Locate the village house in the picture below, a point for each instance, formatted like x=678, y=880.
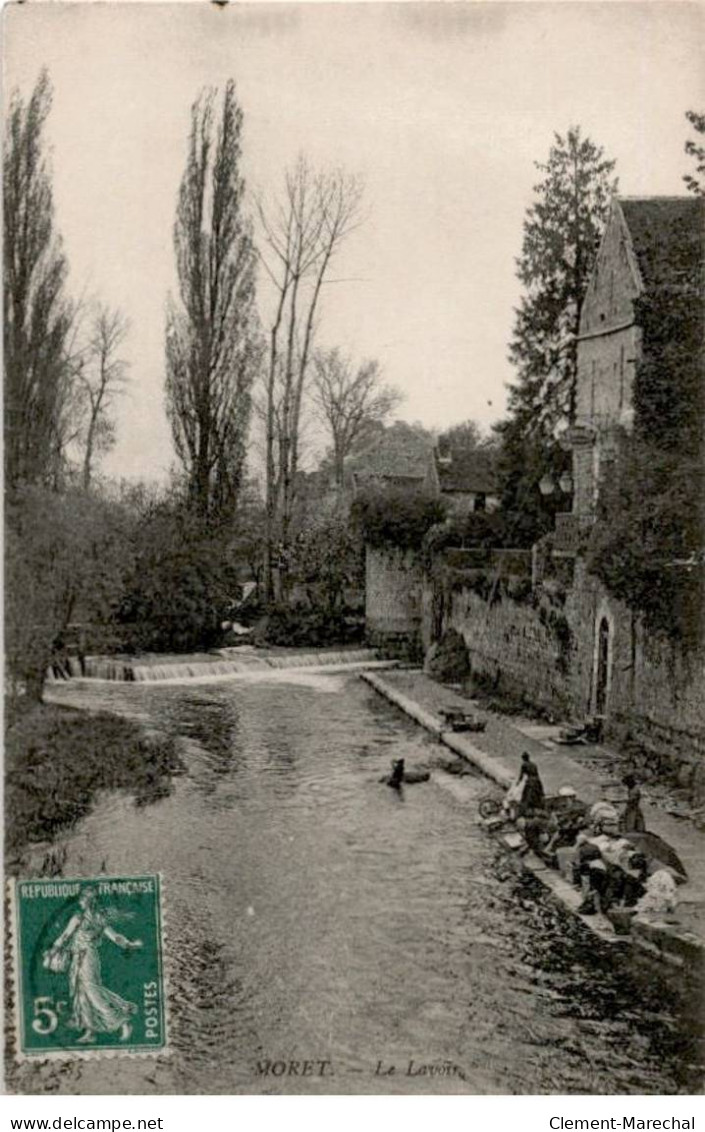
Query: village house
x=647, y=247
x=403, y=459
x=398, y=458
x=650, y=247
x=465, y=477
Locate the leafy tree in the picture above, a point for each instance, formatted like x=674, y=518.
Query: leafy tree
x=179, y=581
x=647, y=543
x=246, y=544
x=326, y=558
x=64, y=560
x=212, y=341
x=465, y=436
x=348, y=401
x=523, y=459
x=562, y=230
x=38, y=315
x=696, y=149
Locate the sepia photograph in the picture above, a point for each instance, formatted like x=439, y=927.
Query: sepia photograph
x=354, y=548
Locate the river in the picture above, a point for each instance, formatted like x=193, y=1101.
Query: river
x=312, y=913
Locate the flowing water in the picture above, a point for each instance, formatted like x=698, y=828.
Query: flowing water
x=313, y=913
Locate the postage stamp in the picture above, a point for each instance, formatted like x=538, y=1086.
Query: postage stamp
x=89, y=977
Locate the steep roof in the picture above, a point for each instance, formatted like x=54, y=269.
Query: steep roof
x=668, y=238
x=469, y=470
x=399, y=455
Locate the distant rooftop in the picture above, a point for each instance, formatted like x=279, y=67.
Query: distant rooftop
x=465, y=470
x=399, y=455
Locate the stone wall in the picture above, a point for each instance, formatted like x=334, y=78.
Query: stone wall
x=546, y=650
x=510, y=645
x=656, y=691
x=393, y=584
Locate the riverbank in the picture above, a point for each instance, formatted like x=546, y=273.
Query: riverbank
x=58, y=759
x=497, y=753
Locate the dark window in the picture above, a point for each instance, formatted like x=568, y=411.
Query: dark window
x=480, y=503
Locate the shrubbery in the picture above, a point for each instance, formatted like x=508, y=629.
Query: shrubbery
x=303, y=626
x=396, y=517
x=56, y=760
x=64, y=558
x=178, y=582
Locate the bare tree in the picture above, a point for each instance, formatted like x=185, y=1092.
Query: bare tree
x=38, y=315
x=349, y=400
x=101, y=373
x=213, y=348
x=303, y=232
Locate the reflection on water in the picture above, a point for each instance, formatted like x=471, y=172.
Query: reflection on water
x=314, y=914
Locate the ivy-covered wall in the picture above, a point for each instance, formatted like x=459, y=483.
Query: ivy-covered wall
x=542, y=645
x=521, y=644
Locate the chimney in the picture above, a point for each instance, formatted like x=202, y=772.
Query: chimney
x=445, y=456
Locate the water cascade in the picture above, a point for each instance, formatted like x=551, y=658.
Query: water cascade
x=231, y=662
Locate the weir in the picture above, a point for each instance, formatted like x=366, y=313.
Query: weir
x=123, y=669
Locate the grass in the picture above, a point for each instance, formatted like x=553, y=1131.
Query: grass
x=57, y=759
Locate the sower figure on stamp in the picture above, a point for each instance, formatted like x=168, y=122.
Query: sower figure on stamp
x=94, y=1008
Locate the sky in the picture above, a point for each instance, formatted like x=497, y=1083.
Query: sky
x=441, y=108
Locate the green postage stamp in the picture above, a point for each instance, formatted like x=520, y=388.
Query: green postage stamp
x=88, y=967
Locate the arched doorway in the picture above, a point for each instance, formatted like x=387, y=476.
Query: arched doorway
x=602, y=675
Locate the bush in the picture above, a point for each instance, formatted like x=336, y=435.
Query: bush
x=300, y=626
x=396, y=517
x=58, y=759
x=326, y=559
x=178, y=585
x=649, y=529
x=64, y=558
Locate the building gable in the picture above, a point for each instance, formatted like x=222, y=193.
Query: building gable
x=615, y=281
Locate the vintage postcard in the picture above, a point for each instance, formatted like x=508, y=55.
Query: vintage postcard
x=354, y=551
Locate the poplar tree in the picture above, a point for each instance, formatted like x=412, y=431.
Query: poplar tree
x=212, y=339
x=38, y=316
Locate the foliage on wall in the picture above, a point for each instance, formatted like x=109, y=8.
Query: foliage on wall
x=647, y=545
x=395, y=517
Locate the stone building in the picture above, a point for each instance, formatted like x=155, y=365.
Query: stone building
x=571, y=646
x=650, y=247
x=404, y=460
x=646, y=248
x=464, y=477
